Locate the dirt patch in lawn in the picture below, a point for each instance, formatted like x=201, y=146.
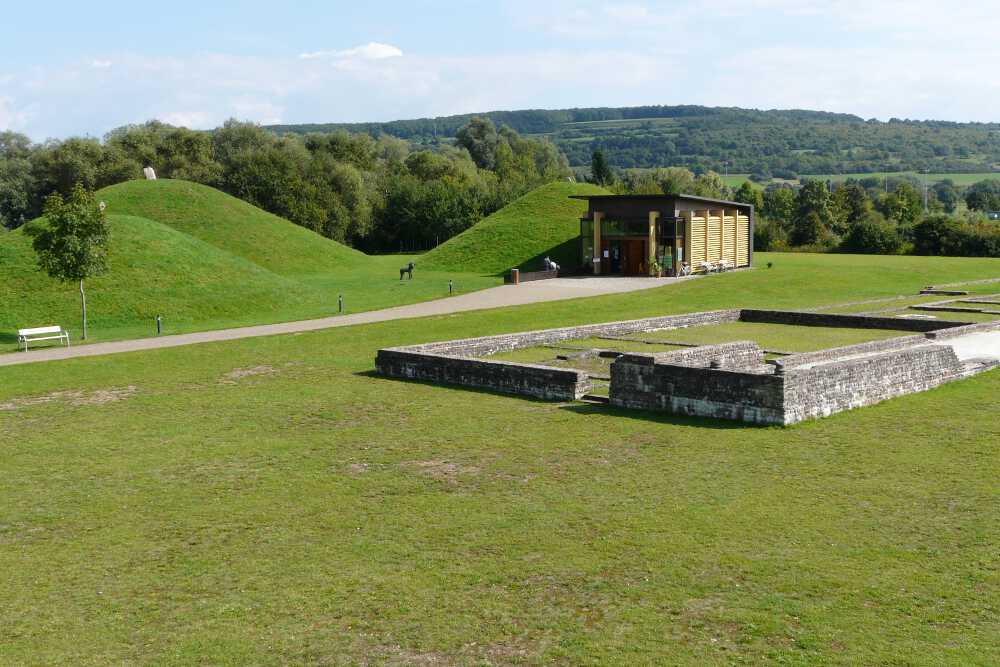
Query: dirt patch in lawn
x=512, y=652
x=443, y=471
x=72, y=397
x=237, y=374
x=355, y=469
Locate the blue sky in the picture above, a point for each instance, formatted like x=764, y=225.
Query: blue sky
x=85, y=68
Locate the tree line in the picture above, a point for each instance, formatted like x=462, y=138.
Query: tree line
x=780, y=143
x=378, y=194
x=878, y=215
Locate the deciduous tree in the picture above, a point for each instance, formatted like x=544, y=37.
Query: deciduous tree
x=73, y=244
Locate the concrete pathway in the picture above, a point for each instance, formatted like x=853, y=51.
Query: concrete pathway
x=984, y=345
x=557, y=289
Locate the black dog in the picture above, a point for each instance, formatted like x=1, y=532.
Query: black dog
x=406, y=270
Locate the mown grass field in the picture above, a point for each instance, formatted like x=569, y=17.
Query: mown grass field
x=204, y=260
x=271, y=501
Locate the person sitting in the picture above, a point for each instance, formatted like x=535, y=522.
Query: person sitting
x=550, y=265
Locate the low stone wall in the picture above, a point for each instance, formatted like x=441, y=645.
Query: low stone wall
x=558, y=384
x=804, y=319
x=835, y=353
x=642, y=381
x=964, y=330
x=738, y=354
x=486, y=345
x=756, y=394
x=822, y=390
x=460, y=362
x=729, y=381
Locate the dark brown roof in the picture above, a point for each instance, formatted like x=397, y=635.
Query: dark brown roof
x=707, y=200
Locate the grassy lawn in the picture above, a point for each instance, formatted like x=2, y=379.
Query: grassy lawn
x=125, y=304
x=270, y=501
x=783, y=337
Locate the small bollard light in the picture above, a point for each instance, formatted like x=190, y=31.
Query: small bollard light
x=451, y=287
x=159, y=325
x=340, y=303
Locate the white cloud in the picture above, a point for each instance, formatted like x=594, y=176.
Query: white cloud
x=101, y=64
x=751, y=53
x=12, y=118
x=369, y=51
x=261, y=111
x=189, y=119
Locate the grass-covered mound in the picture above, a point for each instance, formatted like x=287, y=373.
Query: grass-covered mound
x=204, y=260
x=232, y=225
x=153, y=269
x=543, y=222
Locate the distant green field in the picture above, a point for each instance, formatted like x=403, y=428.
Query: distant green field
x=205, y=260
x=621, y=123
x=543, y=222
x=961, y=180
x=271, y=501
x=736, y=180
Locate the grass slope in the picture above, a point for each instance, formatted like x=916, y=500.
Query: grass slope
x=154, y=270
x=231, y=225
x=543, y=222
x=269, y=501
x=205, y=260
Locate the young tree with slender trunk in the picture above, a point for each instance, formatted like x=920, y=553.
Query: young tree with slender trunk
x=600, y=170
x=73, y=245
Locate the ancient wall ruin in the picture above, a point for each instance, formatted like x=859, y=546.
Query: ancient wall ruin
x=729, y=381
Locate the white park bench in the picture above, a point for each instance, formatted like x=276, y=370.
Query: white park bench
x=25, y=336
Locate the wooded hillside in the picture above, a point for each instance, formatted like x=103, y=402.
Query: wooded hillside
x=776, y=142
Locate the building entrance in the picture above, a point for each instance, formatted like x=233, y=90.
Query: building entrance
x=636, y=257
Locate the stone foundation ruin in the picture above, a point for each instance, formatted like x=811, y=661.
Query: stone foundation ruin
x=729, y=380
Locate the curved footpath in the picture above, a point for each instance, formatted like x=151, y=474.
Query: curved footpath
x=495, y=297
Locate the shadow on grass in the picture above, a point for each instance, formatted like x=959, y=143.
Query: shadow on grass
x=566, y=255
x=585, y=409
x=6, y=337
x=373, y=374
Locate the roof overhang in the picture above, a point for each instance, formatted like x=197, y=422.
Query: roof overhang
x=652, y=198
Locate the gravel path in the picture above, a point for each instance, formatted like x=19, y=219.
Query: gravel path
x=494, y=297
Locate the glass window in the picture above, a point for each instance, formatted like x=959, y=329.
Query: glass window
x=612, y=228
x=586, y=241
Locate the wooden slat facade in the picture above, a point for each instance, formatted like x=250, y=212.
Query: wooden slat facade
x=696, y=241
x=713, y=237
x=729, y=238
x=743, y=240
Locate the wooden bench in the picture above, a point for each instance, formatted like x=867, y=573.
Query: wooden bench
x=25, y=336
